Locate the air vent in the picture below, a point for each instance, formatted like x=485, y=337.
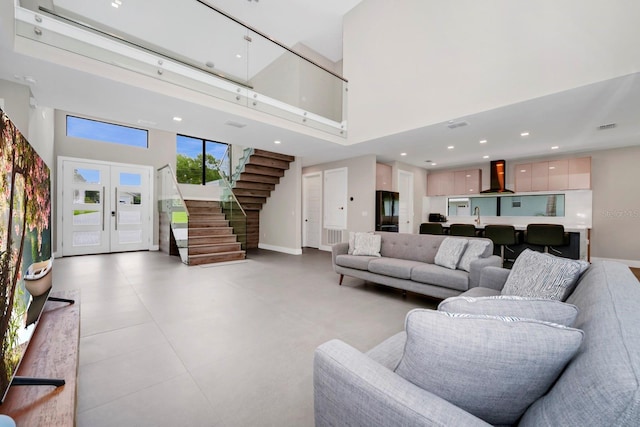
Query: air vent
x=607, y=126
x=453, y=125
x=235, y=124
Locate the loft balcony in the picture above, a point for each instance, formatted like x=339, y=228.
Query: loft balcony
x=193, y=45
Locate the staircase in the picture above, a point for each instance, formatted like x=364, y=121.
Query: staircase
x=211, y=239
x=261, y=173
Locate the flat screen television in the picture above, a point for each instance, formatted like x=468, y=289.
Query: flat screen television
x=25, y=246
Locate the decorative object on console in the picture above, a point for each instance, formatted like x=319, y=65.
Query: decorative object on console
x=542, y=275
x=506, y=305
x=495, y=366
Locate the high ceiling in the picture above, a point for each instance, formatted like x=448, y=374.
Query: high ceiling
x=570, y=119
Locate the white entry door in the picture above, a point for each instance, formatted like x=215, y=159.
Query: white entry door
x=335, y=199
x=311, y=209
x=105, y=207
x=405, y=207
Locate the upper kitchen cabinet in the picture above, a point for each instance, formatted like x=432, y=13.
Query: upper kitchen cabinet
x=467, y=182
x=554, y=175
x=440, y=183
x=383, y=177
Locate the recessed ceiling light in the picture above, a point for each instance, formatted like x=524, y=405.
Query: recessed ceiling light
x=483, y=141
x=277, y=142
x=177, y=119
x=524, y=134
x=451, y=147
x=485, y=157
x=555, y=147
x=238, y=56
x=403, y=154
x=434, y=164
x=116, y=3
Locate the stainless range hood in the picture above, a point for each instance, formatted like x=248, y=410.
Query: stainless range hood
x=498, y=178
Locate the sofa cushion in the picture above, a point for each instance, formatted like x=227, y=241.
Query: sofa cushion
x=479, y=291
x=493, y=367
x=450, y=251
x=436, y=275
x=353, y=261
x=398, y=268
x=389, y=352
x=367, y=244
x=541, y=275
x=475, y=249
x=504, y=305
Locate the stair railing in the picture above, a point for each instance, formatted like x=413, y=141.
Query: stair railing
x=174, y=215
x=248, y=152
x=232, y=209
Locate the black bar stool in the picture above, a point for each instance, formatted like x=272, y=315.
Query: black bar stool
x=431, y=228
x=502, y=236
x=547, y=235
x=468, y=230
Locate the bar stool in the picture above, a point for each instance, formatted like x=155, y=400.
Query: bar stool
x=547, y=235
x=468, y=230
x=431, y=228
x=502, y=236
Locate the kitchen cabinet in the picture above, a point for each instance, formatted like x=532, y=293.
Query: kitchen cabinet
x=383, y=177
x=554, y=175
x=440, y=183
x=580, y=173
x=467, y=181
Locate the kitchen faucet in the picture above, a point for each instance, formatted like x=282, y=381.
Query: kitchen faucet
x=476, y=211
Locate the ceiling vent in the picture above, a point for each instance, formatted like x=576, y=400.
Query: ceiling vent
x=607, y=126
x=453, y=125
x=235, y=124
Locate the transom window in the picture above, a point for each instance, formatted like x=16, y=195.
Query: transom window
x=79, y=127
x=198, y=161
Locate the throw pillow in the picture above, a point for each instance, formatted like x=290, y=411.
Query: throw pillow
x=492, y=367
x=506, y=305
x=450, y=251
x=367, y=244
x=352, y=240
x=541, y=275
x=475, y=249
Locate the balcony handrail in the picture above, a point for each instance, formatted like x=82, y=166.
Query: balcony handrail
x=141, y=47
x=175, y=183
x=274, y=41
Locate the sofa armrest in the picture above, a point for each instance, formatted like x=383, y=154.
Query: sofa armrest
x=494, y=277
x=352, y=389
x=478, y=265
x=338, y=249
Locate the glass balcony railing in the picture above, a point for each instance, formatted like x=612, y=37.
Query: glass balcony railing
x=174, y=216
x=213, y=53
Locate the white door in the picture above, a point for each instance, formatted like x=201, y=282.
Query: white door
x=311, y=209
x=105, y=207
x=335, y=199
x=405, y=210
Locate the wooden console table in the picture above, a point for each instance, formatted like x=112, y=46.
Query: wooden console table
x=52, y=353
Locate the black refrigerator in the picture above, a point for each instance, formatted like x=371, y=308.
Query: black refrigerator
x=387, y=205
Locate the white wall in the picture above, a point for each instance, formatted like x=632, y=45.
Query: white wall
x=412, y=63
x=16, y=104
x=361, y=187
x=281, y=216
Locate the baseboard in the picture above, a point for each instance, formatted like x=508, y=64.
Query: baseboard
x=629, y=262
x=289, y=251
x=154, y=248
x=325, y=248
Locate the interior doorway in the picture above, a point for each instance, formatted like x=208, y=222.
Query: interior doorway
x=106, y=207
x=405, y=211
x=311, y=210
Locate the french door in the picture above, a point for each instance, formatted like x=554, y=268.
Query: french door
x=106, y=207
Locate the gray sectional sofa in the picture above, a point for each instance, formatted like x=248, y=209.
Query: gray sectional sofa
x=600, y=385
x=407, y=262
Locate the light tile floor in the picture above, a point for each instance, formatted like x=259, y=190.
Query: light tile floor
x=164, y=344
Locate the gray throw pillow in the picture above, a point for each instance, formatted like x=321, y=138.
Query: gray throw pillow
x=492, y=367
x=473, y=251
x=541, y=275
x=367, y=244
x=506, y=305
x=450, y=251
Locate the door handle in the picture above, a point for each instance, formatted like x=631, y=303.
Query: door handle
x=115, y=212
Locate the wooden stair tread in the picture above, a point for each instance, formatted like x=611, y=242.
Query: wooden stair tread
x=271, y=154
